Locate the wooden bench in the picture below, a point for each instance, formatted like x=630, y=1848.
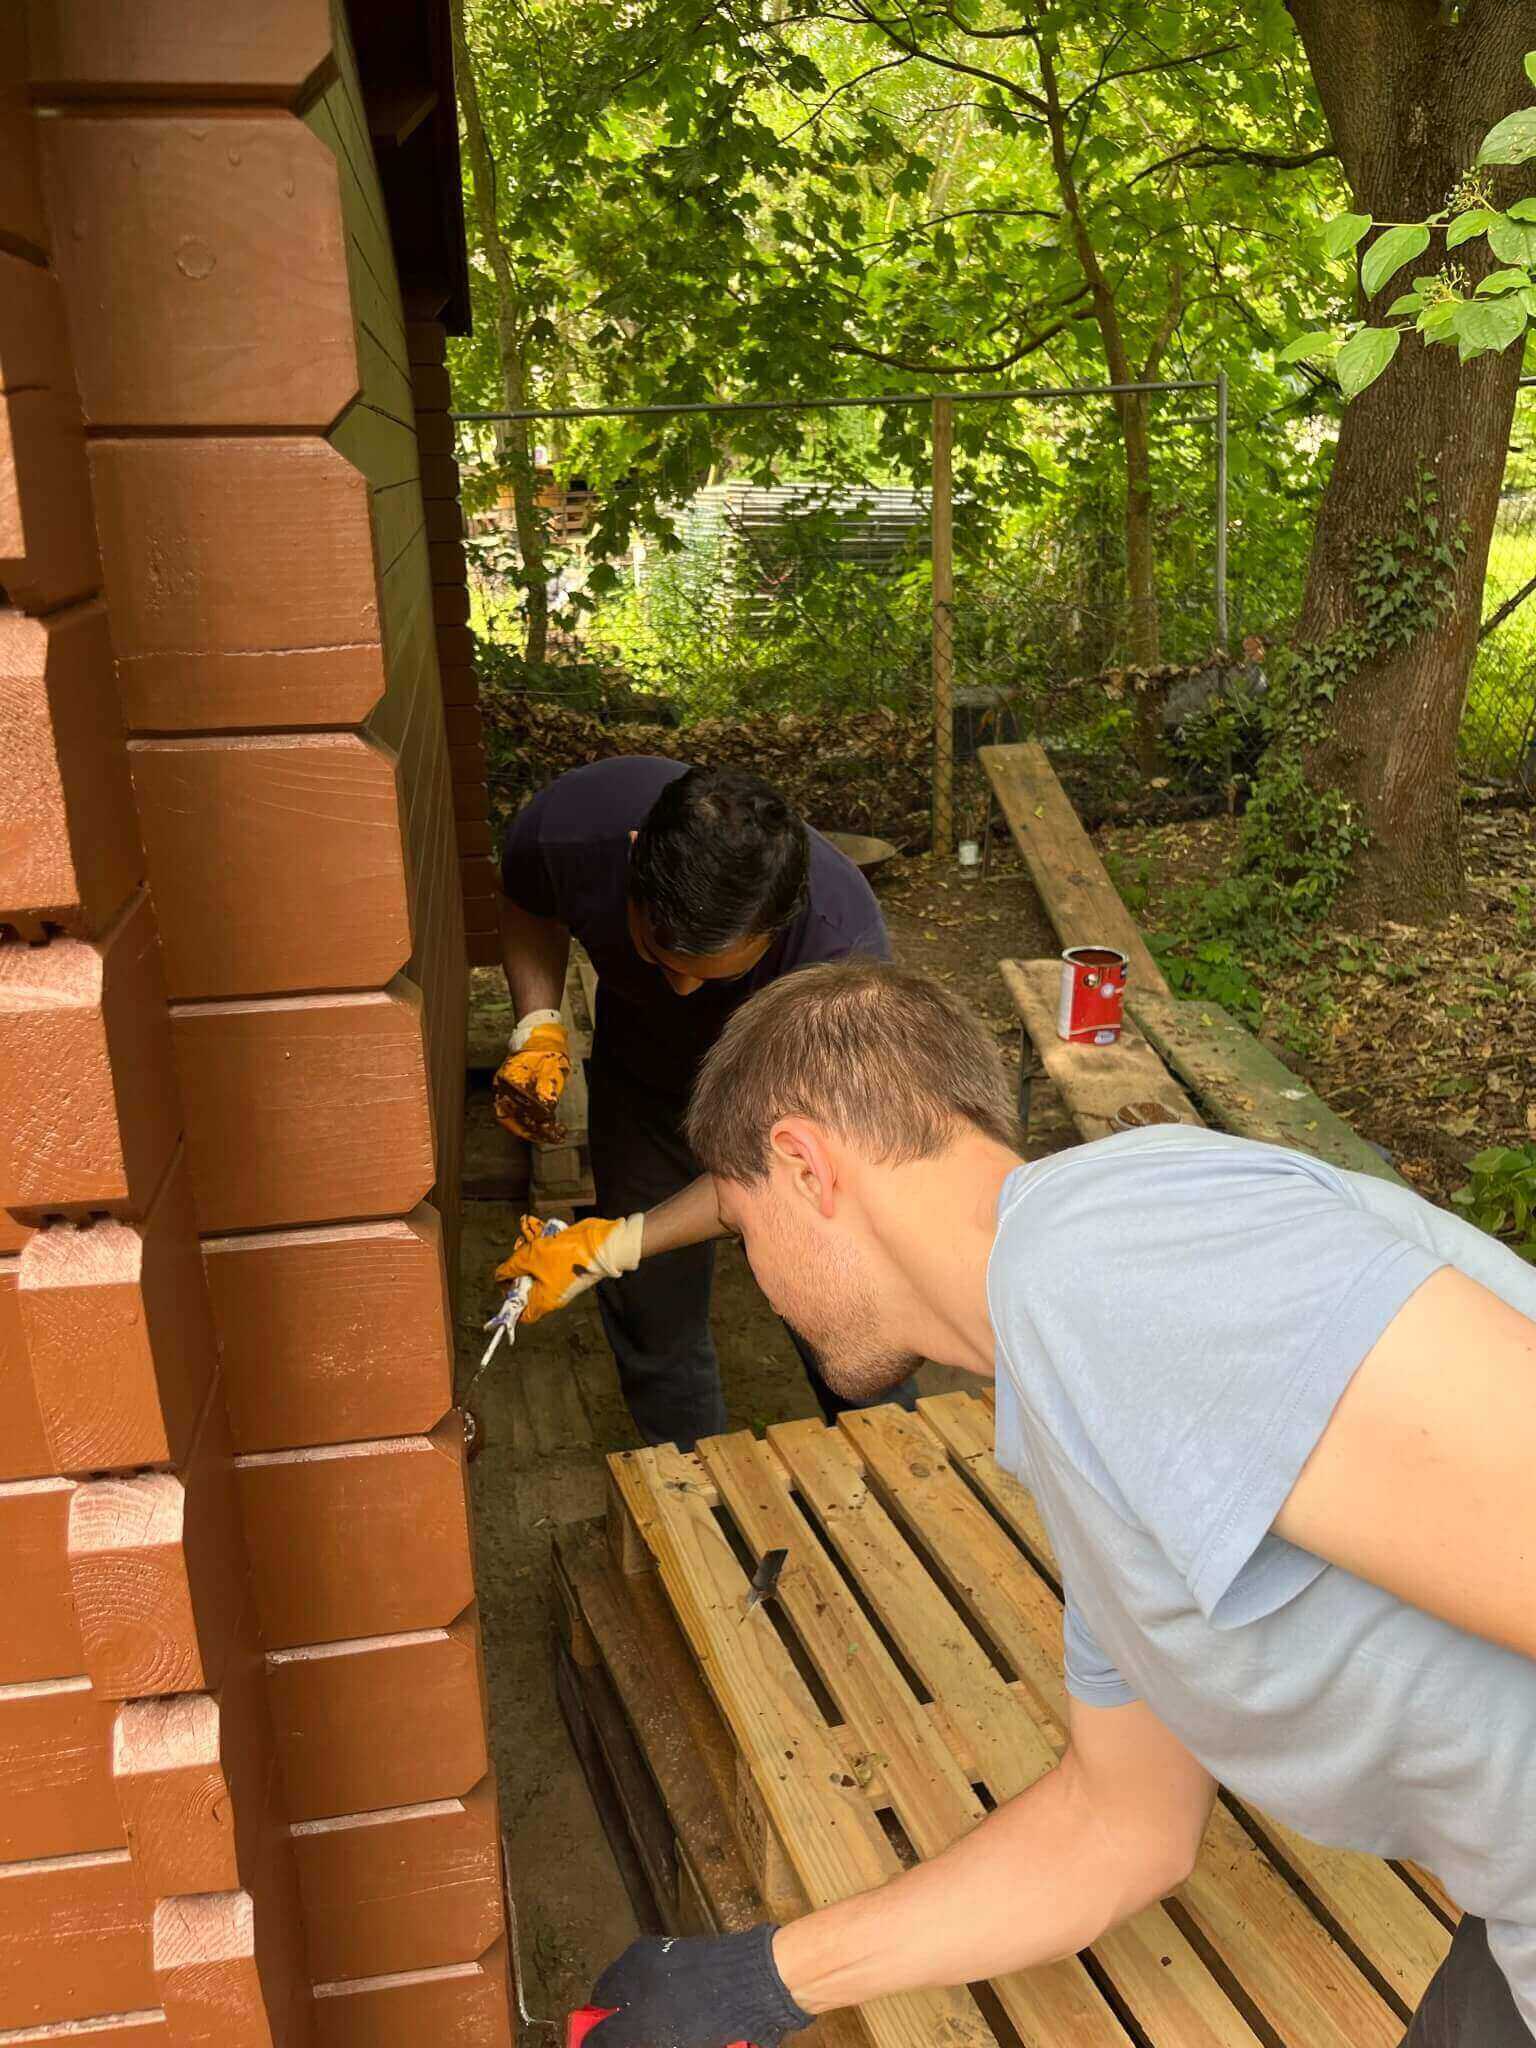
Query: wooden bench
x=1212, y=1068
x=907, y=1677
x=1073, y=883
x=1105, y=1087
x=1244, y=1089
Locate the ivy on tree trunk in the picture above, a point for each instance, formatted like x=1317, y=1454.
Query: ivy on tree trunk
x=1410, y=88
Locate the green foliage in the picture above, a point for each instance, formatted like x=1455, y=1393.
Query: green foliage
x=1210, y=971
x=1299, y=833
x=735, y=203
x=1501, y=1196
x=1438, y=306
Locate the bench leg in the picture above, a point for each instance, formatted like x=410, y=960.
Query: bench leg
x=1031, y=1070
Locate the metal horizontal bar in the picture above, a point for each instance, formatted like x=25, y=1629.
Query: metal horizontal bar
x=1036, y=394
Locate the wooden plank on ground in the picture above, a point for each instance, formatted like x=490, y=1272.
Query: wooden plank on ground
x=833, y=1841
x=1097, y=1082
x=932, y=1798
x=1377, y=1911
x=1073, y=882
x=1243, y=1087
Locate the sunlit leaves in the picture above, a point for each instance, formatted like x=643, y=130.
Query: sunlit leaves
x=1388, y=253
x=1512, y=141
x=1364, y=356
x=1341, y=235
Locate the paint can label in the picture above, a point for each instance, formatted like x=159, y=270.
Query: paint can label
x=1092, y=1008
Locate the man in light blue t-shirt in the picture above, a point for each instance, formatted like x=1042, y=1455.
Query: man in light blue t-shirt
x=1281, y=1423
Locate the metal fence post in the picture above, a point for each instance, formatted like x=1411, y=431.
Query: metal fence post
x=943, y=560
x=1221, y=508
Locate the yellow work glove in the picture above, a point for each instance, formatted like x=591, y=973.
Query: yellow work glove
x=567, y=1263
x=531, y=1079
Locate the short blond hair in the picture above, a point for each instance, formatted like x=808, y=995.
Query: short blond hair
x=886, y=1058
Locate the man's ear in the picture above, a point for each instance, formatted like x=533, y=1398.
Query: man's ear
x=801, y=1147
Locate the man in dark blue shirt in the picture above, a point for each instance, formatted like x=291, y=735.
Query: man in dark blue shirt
x=690, y=888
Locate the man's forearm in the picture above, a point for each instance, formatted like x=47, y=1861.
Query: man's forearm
x=688, y=1217
x=1037, y=1880
x=535, y=952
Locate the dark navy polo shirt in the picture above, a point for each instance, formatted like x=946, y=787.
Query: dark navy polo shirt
x=566, y=856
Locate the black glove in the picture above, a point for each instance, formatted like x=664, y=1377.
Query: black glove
x=696, y=1991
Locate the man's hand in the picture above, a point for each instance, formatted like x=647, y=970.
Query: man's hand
x=532, y=1078
x=569, y=1262
x=696, y=1992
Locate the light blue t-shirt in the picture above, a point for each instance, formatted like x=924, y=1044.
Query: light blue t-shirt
x=1177, y=1313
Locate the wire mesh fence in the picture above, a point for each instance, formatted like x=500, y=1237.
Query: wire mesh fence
x=1498, y=733
x=767, y=579
x=793, y=576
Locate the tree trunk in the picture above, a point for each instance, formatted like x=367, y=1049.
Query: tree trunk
x=1140, y=569
x=1409, y=96
x=517, y=440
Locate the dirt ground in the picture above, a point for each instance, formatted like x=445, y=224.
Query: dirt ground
x=1425, y=1041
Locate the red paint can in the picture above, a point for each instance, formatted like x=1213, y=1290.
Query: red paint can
x=1092, y=995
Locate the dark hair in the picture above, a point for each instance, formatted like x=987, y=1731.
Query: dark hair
x=879, y=1054
x=720, y=858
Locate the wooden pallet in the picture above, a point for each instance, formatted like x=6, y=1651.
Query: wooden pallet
x=909, y=1675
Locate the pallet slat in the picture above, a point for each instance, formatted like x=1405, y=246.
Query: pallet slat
x=932, y=1800
x=775, y=1722
x=1148, y=1960
x=1279, y=1956
x=1400, y=1937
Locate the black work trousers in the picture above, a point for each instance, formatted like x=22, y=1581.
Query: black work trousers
x=657, y=1318
x=1468, y=2003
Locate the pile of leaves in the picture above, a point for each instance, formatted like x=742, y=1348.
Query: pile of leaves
x=861, y=771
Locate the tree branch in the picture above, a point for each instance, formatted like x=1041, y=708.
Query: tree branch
x=1220, y=153
x=962, y=213
x=1005, y=84
x=1510, y=604
x=1137, y=70
x=848, y=84
x=992, y=369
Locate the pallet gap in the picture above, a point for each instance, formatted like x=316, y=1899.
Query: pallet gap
x=1425, y=1897
x=1042, y=1568
x=1317, y=1907
x=920, y=1692
x=783, y=1628
x=1113, y=1999
x=938, y=1572
x=991, y=2009
x=1212, y=1958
